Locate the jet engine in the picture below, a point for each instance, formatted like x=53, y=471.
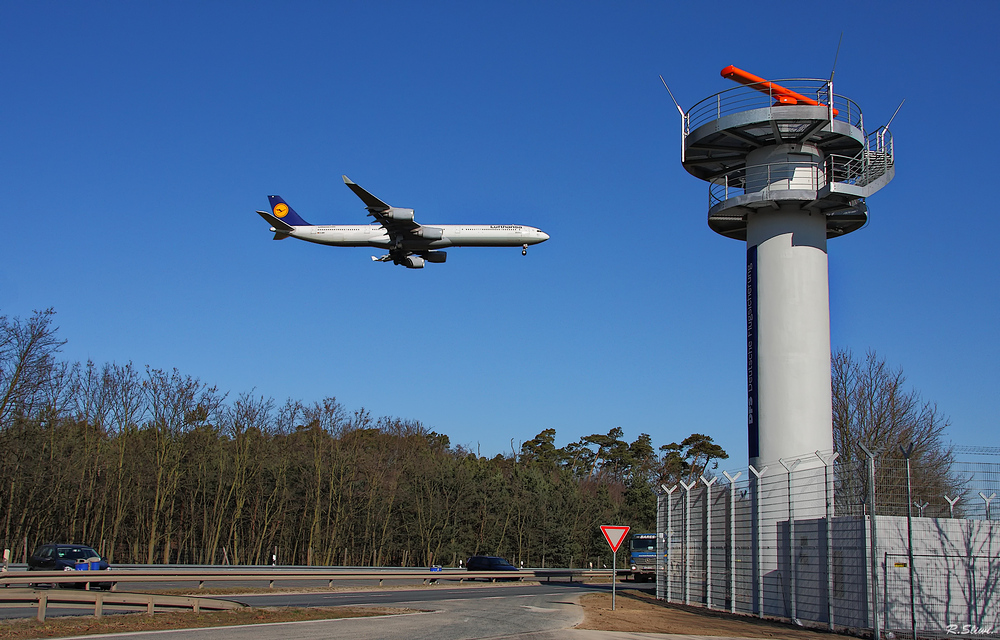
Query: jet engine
x=403, y=215
x=435, y=256
x=413, y=262
x=430, y=233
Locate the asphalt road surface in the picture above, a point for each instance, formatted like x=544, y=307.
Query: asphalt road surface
x=523, y=611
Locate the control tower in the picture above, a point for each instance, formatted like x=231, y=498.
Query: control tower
x=789, y=165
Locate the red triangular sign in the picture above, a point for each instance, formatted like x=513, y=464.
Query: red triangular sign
x=614, y=535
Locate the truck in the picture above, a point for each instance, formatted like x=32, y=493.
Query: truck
x=642, y=548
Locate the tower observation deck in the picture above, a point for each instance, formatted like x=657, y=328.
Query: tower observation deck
x=757, y=152
x=789, y=164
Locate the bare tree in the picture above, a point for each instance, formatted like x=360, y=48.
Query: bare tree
x=175, y=403
x=872, y=405
x=124, y=388
x=27, y=359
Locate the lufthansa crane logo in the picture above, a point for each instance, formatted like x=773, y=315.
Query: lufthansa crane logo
x=280, y=210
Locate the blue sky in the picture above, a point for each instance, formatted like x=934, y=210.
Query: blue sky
x=139, y=139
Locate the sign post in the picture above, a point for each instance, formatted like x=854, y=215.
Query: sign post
x=614, y=535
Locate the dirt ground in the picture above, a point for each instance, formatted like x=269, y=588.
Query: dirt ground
x=636, y=611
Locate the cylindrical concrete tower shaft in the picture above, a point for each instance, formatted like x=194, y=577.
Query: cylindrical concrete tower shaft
x=788, y=335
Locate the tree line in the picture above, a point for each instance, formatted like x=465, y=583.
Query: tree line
x=155, y=466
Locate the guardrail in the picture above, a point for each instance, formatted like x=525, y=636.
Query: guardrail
x=12, y=597
x=100, y=601
x=271, y=575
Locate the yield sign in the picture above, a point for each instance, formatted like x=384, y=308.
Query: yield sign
x=614, y=535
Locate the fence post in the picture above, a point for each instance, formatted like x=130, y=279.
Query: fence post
x=907, y=452
x=670, y=537
x=987, y=501
x=660, y=528
x=873, y=547
x=708, y=539
x=687, y=541
x=827, y=464
x=663, y=542
x=732, y=538
x=755, y=538
x=43, y=599
x=792, y=586
x=951, y=505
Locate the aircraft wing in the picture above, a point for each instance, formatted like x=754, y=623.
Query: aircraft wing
x=370, y=201
x=394, y=220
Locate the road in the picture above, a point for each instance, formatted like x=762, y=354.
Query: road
x=453, y=613
x=528, y=611
x=418, y=598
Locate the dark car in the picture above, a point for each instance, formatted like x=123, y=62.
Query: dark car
x=69, y=557
x=488, y=563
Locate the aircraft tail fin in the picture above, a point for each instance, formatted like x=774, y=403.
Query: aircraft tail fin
x=284, y=213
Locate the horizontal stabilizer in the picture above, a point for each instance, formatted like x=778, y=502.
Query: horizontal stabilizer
x=279, y=225
x=370, y=201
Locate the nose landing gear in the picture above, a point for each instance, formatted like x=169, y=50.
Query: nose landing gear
x=524, y=249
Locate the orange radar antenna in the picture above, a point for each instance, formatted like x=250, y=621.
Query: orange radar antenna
x=782, y=94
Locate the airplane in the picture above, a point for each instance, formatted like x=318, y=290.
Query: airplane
x=409, y=244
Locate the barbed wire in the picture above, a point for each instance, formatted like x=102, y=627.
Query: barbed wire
x=976, y=451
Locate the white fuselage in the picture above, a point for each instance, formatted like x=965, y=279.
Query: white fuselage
x=452, y=235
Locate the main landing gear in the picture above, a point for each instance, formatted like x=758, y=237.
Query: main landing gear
x=524, y=249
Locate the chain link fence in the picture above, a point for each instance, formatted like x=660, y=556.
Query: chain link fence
x=795, y=540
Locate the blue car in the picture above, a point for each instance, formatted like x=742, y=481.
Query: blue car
x=69, y=557
x=490, y=563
